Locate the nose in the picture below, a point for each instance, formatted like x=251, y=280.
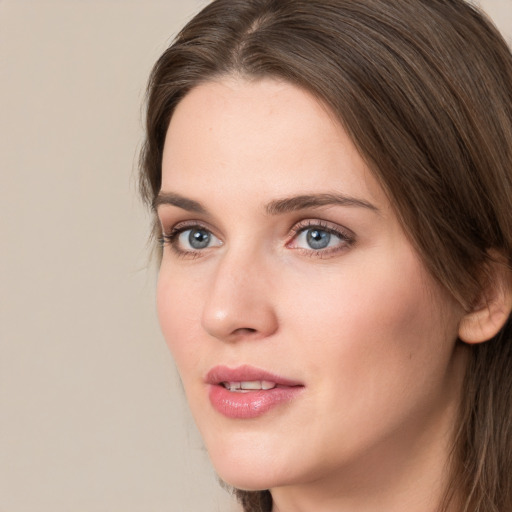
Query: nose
x=239, y=300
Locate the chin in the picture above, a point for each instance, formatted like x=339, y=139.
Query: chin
x=246, y=469
x=247, y=481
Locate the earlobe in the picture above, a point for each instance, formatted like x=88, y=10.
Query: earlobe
x=486, y=319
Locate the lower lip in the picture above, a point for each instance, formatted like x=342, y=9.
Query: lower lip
x=251, y=404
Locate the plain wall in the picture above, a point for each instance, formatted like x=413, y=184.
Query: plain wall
x=92, y=418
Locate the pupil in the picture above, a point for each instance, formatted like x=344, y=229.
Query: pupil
x=199, y=238
x=318, y=239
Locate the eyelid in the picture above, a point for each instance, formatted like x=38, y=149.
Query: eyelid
x=170, y=236
x=332, y=227
x=187, y=224
x=344, y=234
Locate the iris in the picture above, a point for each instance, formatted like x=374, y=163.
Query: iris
x=199, y=238
x=318, y=239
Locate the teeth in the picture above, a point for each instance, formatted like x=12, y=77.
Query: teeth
x=250, y=385
x=232, y=386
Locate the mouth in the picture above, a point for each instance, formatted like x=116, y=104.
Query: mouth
x=246, y=392
x=248, y=386
x=247, y=378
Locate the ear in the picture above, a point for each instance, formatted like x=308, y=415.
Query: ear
x=493, y=308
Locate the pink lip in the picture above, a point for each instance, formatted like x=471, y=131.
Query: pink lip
x=250, y=404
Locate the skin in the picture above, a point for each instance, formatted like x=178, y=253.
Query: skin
x=361, y=324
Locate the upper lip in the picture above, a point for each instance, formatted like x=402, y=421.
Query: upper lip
x=246, y=373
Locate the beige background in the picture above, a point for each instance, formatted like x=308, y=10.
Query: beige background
x=92, y=418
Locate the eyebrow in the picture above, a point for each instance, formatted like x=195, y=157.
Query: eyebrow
x=303, y=202
x=176, y=200
x=275, y=207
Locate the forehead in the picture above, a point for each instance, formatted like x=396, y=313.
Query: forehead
x=244, y=134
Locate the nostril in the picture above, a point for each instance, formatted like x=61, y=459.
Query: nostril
x=244, y=330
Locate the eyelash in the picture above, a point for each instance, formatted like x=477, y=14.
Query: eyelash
x=346, y=237
x=170, y=238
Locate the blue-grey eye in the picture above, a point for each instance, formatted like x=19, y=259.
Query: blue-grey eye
x=317, y=238
x=198, y=238
x=194, y=239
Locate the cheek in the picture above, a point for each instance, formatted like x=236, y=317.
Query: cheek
x=179, y=317
x=376, y=346
x=382, y=319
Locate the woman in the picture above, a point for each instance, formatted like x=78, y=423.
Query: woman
x=332, y=187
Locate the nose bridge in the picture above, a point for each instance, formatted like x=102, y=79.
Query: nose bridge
x=239, y=303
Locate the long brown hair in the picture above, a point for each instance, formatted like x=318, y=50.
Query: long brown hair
x=424, y=89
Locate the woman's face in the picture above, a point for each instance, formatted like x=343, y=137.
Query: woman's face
x=311, y=341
